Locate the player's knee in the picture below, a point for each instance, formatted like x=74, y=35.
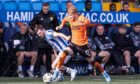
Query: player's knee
x=66, y=52
x=98, y=59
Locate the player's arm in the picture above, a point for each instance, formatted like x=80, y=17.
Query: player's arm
x=61, y=35
x=83, y=21
x=62, y=24
x=55, y=52
x=86, y=22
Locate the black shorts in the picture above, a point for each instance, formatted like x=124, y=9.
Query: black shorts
x=82, y=50
x=134, y=51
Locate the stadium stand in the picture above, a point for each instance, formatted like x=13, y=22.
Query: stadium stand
x=36, y=6
x=48, y=0
x=10, y=5
x=22, y=5
x=1, y=6
x=63, y=6
x=118, y=5
x=54, y=6
x=80, y=5
x=96, y=6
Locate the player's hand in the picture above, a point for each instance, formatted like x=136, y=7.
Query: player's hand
x=68, y=38
x=58, y=27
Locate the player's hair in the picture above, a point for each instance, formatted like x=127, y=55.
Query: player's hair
x=112, y=4
x=22, y=24
x=100, y=25
x=125, y=3
x=87, y=1
x=73, y=8
x=45, y=4
x=136, y=24
x=68, y=2
x=121, y=26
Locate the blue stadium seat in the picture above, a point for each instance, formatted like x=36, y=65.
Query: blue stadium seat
x=112, y=31
x=18, y=0
x=5, y=0
x=48, y=0
x=62, y=0
x=37, y=6
x=10, y=5
x=94, y=0
x=63, y=6
x=80, y=5
x=25, y=5
x=1, y=6
x=77, y=1
x=54, y=6
x=34, y=0
x=96, y=6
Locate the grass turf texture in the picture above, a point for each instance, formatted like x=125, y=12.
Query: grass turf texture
x=117, y=79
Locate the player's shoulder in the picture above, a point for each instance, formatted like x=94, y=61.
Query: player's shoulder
x=82, y=17
x=67, y=18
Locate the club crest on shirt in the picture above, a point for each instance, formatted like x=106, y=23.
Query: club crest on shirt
x=75, y=28
x=41, y=19
x=106, y=38
x=51, y=18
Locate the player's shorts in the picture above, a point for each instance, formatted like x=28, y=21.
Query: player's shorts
x=82, y=50
x=134, y=51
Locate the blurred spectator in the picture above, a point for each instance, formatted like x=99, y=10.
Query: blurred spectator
x=123, y=44
x=1, y=46
x=105, y=44
x=125, y=7
x=88, y=6
x=115, y=0
x=137, y=3
x=23, y=47
x=112, y=7
x=99, y=56
x=135, y=36
x=49, y=21
x=45, y=17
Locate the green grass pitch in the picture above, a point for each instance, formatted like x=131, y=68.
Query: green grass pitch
x=117, y=79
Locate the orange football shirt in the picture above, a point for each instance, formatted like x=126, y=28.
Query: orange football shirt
x=79, y=33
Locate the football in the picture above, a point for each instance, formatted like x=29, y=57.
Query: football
x=47, y=78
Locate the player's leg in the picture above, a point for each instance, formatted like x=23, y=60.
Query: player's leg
x=127, y=58
x=20, y=60
x=84, y=51
x=137, y=54
x=104, y=56
x=68, y=70
x=91, y=69
x=60, y=61
x=33, y=55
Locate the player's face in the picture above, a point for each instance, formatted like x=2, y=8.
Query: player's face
x=113, y=8
x=88, y=6
x=41, y=33
x=122, y=30
x=137, y=28
x=69, y=5
x=45, y=9
x=100, y=30
x=23, y=29
x=71, y=14
x=126, y=7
